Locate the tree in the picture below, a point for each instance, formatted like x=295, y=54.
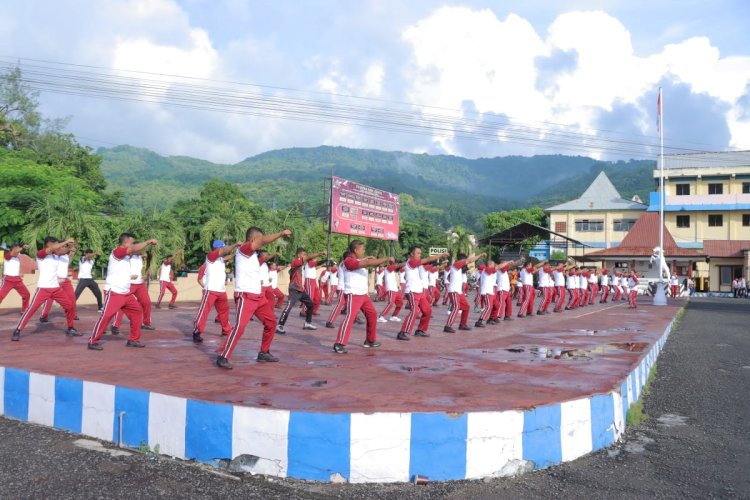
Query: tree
x=159, y=224
x=19, y=118
x=499, y=221
x=460, y=241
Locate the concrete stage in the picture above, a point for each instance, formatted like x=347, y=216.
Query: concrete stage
x=488, y=401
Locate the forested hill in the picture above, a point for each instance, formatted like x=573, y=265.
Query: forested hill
x=450, y=189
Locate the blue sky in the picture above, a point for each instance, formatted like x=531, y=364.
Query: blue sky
x=562, y=74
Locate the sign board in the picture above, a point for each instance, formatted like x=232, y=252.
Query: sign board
x=360, y=210
x=437, y=251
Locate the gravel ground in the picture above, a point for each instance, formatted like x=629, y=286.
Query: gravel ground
x=694, y=443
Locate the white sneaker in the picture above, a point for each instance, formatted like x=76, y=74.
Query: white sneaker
x=280, y=329
x=382, y=320
x=395, y=318
x=309, y=326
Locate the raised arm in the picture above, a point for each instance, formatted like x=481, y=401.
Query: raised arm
x=137, y=247
x=270, y=238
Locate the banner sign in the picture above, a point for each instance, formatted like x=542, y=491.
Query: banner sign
x=360, y=210
x=437, y=251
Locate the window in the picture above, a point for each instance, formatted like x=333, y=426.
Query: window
x=561, y=227
x=716, y=188
x=622, y=224
x=728, y=273
x=715, y=220
x=746, y=220
x=589, y=226
x=746, y=188
x=683, y=221
x=683, y=189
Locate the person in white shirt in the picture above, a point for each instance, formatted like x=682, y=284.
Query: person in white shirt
x=529, y=294
x=416, y=294
x=674, y=285
x=504, y=292
x=165, y=282
x=48, y=286
x=64, y=254
x=86, y=277
x=118, y=294
x=214, y=291
x=340, y=299
x=558, y=279
x=572, y=285
x=458, y=302
x=393, y=294
x=12, y=279
x=605, y=285
x=251, y=301
x=487, y=300
x=593, y=285
x=323, y=284
x=358, y=297
x=273, y=277
x=139, y=290
x=546, y=284
x=379, y=284
x=633, y=293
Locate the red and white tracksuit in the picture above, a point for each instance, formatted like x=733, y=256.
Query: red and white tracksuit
x=393, y=294
x=527, y=279
x=311, y=284
x=48, y=288
x=251, y=301
x=165, y=283
x=416, y=297
x=357, y=299
x=12, y=280
x=458, y=302
x=139, y=290
x=214, y=294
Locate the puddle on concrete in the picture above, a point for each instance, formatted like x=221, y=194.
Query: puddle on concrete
x=638, y=444
x=672, y=420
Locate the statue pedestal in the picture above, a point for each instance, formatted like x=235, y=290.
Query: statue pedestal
x=660, y=297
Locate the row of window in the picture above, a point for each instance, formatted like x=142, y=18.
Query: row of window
x=597, y=225
x=714, y=220
x=713, y=188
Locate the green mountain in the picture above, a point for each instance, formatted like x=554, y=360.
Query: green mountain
x=449, y=189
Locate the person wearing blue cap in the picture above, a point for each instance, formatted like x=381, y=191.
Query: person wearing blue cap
x=214, y=291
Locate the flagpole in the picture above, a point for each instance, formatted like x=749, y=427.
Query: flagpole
x=660, y=297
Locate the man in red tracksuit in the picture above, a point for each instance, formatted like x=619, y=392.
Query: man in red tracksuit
x=458, y=302
x=119, y=295
x=12, y=279
x=358, y=297
x=394, y=297
x=139, y=290
x=310, y=274
x=214, y=291
x=48, y=287
x=63, y=277
x=166, y=276
x=298, y=290
x=251, y=301
x=416, y=295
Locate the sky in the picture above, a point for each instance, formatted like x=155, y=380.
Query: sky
x=471, y=78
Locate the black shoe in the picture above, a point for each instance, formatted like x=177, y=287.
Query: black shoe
x=76, y=318
x=402, y=336
x=508, y=318
x=197, y=337
x=448, y=329
x=16, y=336
x=72, y=332
x=371, y=344
x=267, y=357
x=339, y=349
x=217, y=320
x=479, y=324
x=359, y=321
x=115, y=330
x=134, y=343
x=420, y=333
x=172, y=306
x=43, y=319
x=465, y=328
x=539, y=313
x=493, y=321
x=147, y=327
x=223, y=362
x=158, y=306
x=95, y=346
x=330, y=325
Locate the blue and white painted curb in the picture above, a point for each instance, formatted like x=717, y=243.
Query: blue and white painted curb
x=361, y=447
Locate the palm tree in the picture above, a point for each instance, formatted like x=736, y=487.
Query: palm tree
x=66, y=214
x=160, y=225
x=226, y=223
x=460, y=241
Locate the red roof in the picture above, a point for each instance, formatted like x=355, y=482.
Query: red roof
x=642, y=238
x=726, y=248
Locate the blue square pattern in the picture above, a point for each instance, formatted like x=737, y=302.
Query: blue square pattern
x=438, y=446
x=541, y=436
x=208, y=431
x=602, y=421
x=134, y=403
x=16, y=394
x=68, y=404
x=319, y=445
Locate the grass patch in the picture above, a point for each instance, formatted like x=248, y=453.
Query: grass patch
x=635, y=414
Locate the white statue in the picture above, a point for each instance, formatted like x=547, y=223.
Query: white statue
x=657, y=258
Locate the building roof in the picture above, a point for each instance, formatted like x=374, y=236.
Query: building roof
x=600, y=195
x=720, y=159
x=520, y=233
x=641, y=240
x=726, y=248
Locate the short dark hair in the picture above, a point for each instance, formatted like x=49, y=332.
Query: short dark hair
x=16, y=244
x=347, y=253
x=168, y=256
x=88, y=250
x=461, y=256
x=251, y=231
x=300, y=250
x=414, y=247
x=354, y=244
x=50, y=239
x=124, y=237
